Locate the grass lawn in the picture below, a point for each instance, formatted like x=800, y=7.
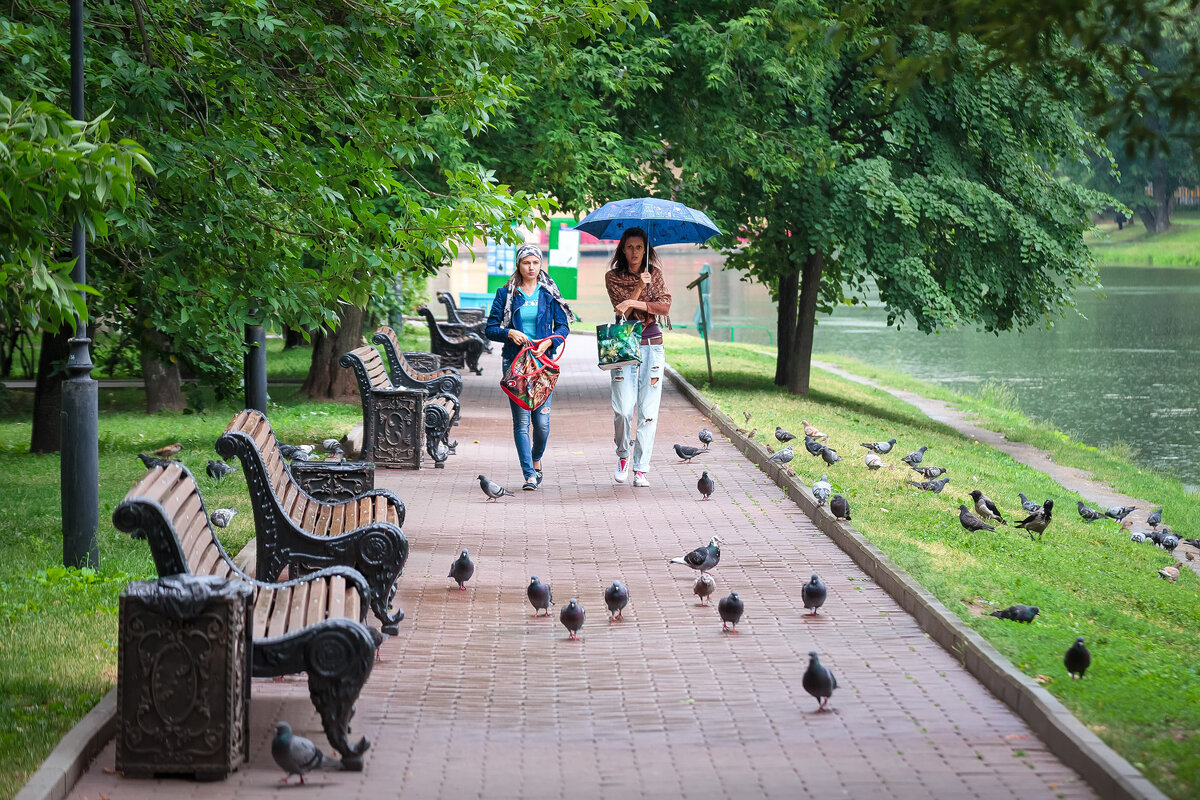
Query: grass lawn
x=58, y=649
x=1142, y=693
x=1134, y=247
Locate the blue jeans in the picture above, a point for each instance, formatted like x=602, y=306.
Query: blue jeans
x=637, y=388
x=529, y=450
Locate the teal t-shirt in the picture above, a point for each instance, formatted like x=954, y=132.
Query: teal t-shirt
x=527, y=313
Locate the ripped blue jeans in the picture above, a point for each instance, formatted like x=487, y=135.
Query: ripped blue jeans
x=637, y=388
x=529, y=449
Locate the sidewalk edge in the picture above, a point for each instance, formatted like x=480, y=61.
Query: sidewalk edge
x=66, y=763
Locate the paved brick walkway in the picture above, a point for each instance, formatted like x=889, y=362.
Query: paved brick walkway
x=475, y=698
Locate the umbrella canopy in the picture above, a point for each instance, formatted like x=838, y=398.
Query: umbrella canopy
x=664, y=221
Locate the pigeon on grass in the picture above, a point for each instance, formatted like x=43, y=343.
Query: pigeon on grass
x=1077, y=659
x=929, y=473
x=296, y=755
x=539, y=596
x=731, y=609
x=702, y=558
x=150, y=462
x=818, y=681
x=1088, y=513
x=219, y=470
x=1120, y=512
x=1017, y=613
x=971, y=522
x=1027, y=504
x=494, y=491
x=810, y=430
x=813, y=594
x=813, y=446
x=783, y=436
x=462, y=569
x=931, y=486
x=572, y=616
x=221, y=517
x=882, y=448
x=830, y=456
x=616, y=597
x=1170, y=573
x=914, y=458
x=873, y=461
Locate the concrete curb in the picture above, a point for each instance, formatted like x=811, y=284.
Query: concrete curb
x=59, y=772
x=1104, y=770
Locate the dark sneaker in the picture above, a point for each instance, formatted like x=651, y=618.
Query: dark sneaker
x=538, y=472
x=530, y=484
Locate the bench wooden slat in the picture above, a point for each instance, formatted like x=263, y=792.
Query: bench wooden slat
x=208, y=559
x=298, y=605
x=298, y=508
x=261, y=433
x=337, y=597
x=350, y=520
x=262, y=611
x=321, y=528
x=277, y=476
x=352, y=603
x=311, y=509
x=193, y=538
x=318, y=596
x=339, y=520
x=287, y=498
x=280, y=611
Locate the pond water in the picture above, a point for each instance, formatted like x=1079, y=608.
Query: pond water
x=1127, y=370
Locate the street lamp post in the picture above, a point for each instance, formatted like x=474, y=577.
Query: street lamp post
x=80, y=465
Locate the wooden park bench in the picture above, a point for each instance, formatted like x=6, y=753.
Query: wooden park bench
x=464, y=319
x=397, y=422
x=457, y=350
x=443, y=386
x=296, y=531
x=314, y=624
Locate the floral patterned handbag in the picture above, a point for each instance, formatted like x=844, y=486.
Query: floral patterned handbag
x=531, y=378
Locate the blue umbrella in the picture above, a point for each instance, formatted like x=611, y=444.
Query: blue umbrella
x=664, y=221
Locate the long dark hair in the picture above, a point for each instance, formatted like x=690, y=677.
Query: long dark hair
x=620, y=262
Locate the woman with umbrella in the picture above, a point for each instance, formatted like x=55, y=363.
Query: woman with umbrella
x=637, y=290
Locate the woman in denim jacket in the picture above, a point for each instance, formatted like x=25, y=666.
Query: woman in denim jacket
x=638, y=291
x=528, y=308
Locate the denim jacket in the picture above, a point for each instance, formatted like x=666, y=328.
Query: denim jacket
x=551, y=319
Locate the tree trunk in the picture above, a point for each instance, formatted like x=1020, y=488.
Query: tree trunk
x=292, y=337
x=785, y=328
x=47, y=392
x=800, y=359
x=1157, y=218
x=328, y=380
x=164, y=387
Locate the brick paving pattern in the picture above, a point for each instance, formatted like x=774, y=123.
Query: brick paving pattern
x=475, y=698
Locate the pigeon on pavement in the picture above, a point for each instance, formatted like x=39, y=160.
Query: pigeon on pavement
x=705, y=485
x=1155, y=519
x=462, y=569
x=1171, y=573
x=151, y=462
x=1077, y=659
x=295, y=452
x=571, y=617
x=840, y=507
x=331, y=445
x=1017, y=613
x=929, y=473
x=813, y=446
x=810, y=430
x=783, y=456
x=914, y=458
x=814, y=593
x=686, y=452
x=170, y=451
x=986, y=508
x=1088, y=513
x=1038, y=521
x=882, y=448
x=1027, y=504
x=971, y=522
x=1168, y=541
x=539, y=596
x=873, y=461
x=830, y=456
x=1120, y=512
x=221, y=517
x=731, y=609
x=616, y=597
x=704, y=587
x=296, y=755
x=783, y=436
x=702, y=558
x=219, y=469
x=706, y=437
x=821, y=491
x=931, y=486
x=818, y=681
x=494, y=491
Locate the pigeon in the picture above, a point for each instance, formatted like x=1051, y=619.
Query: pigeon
x=783, y=436
x=616, y=597
x=1168, y=542
x=152, y=461
x=914, y=458
x=702, y=558
x=219, y=469
x=1017, y=613
x=706, y=437
x=882, y=448
x=221, y=517
x=1193, y=542
x=462, y=569
x=931, y=486
x=813, y=446
x=840, y=507
x=830, y=456
x=1120, y=512
x=687, y=452
x=731, y=609
x=705, y=485
x=1028, y=504
x=971, y=522
x=814, y=593
x=1155, y=519
x=295, y=452
x=170, y=451
x=539, y=596
x=783, y=456
x=821, y=491
x=296, y=755
x=986, y=508
x=929, y=473
x=809, y=430
x=1137, y=536
x=1088, y=513
x=1077, y=659
x=1038, y=521
x=704, y=587
x=818, y=681
x=494, y=491
x=571, y=617
x=873, y=461
x=331, y=445
x=1170, y=573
